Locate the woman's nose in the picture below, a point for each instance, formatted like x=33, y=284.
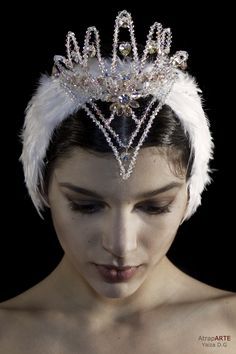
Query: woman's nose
x=120, y=235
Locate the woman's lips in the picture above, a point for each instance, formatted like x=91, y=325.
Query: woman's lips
x=116, y=274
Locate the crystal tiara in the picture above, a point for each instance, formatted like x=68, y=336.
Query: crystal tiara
x=87, y=77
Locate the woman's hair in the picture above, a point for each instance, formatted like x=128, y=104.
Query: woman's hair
x=79, y=131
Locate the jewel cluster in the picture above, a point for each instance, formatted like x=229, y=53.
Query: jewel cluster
x=88, y=77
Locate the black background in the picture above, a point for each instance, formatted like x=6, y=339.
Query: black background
x=204, y=246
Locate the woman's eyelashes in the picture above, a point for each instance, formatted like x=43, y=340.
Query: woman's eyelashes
x=155, y=209
x=85, y=208
x=92, y=208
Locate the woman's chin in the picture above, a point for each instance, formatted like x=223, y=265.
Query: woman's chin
x=118, y=288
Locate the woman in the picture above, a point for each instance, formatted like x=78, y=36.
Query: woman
x=119, y=151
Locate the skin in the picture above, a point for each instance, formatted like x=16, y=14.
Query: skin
x=123, y=230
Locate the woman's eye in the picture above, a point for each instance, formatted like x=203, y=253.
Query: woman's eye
x=92, y=208
x=85, y=208
x=155, y=209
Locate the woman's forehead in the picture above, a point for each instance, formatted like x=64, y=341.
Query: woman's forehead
x=100, y=173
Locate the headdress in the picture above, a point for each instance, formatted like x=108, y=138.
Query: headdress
x=84, y=78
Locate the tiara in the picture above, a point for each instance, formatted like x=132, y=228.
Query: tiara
x=113, y=88
x=128, y=76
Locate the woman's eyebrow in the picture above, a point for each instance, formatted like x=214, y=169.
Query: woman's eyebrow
x=87, y=192
x=80, y=190
x=160, y=190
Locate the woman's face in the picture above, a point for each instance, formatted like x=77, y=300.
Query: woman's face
x=101, y=219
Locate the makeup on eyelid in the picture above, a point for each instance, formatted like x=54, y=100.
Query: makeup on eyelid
x=91, y=208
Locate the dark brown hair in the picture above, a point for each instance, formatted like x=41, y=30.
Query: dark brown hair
x=78, y=130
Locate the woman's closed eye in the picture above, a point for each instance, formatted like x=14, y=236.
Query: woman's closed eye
x=92, y=208
x=85, y=208
x=154, y=209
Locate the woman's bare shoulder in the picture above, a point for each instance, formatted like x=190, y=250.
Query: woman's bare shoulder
x=12, y=321
x=23, y=329
x=228, y=309
x=194, y=290
x=217, y=321
x=217, y=307
x=15, y=312
x=204, y=303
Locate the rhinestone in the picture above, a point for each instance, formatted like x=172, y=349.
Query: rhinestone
x=178, y=63
x=124, y=22
x=135, y=95
x=134, y=104
x=119, y=111
x=126, y=77
x=113, y=107
x=117, y=108
x=152, y=47
x=125, y=156
x=124, y=99
x=125, y=48
x=180, y=59
x=127, y=111
x=146, y=85
x=91, y=50
x=74, y=56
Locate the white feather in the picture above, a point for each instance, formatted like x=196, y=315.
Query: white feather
x=51, y=105
x=48, y=107
x=185, y=100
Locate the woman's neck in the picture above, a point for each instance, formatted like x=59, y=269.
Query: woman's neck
x=73, y=293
